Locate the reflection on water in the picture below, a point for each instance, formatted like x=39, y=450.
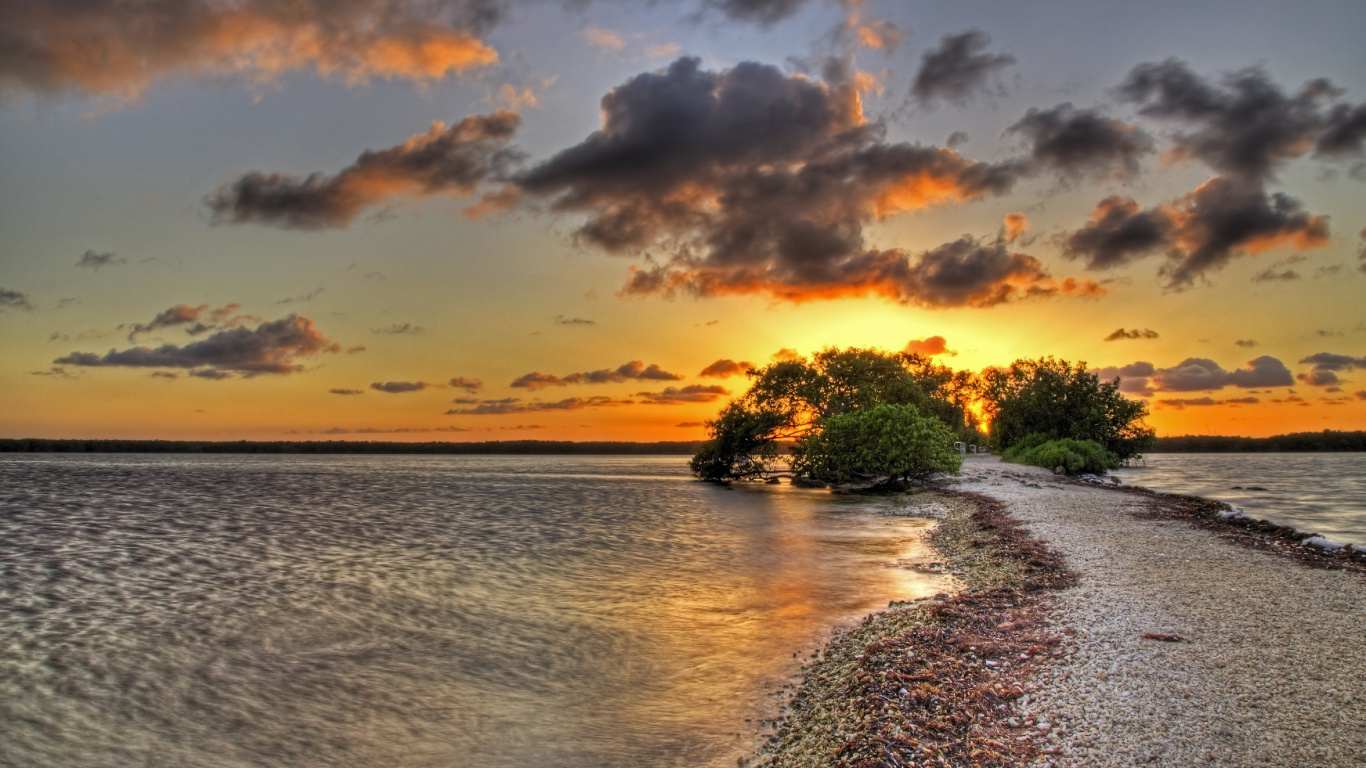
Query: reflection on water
x=414, y=611
x=1320, y=492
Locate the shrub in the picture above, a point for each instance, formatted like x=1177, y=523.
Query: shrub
x=1075, y=456
x=895, y=442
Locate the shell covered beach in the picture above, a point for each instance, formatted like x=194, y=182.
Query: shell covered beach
x=1097, y=626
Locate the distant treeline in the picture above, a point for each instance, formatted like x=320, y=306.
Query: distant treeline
x=1327, y=440
x=37, y=445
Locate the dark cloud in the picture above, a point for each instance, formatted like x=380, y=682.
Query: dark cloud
x=445, y=160
x=1361, y=251
x=691, y=424
x=1200, y=232
x=1328, y=361
x=467, y=384
x=398, y=329
x=1082, y=142
x=274, y=347
x=934, y=345
x=119, y=47
x=749, y=180
x=399, y=387
x=1180, y=403
x=634, y=370
x=957, y=69
x=1120, y=333
x=1200, y=374
x=562, y=320
x=1245, y=125
x=1119, y=232
x=347, y=391
x=197, y=320
x=1275, y=274
x=93, y=260
x=514, y=405
x=726, y=368
x=1319, y=377
x=394, y=431
x=1246, y=343
x=1361, y=395
x=10, y=299
x=761, y=12
x=693, y=393
x=1133, y=378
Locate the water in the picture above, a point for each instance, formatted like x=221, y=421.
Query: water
x=1320, y=492
x=415, y=611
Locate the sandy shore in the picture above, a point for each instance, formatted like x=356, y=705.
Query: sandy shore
x=1252, y=656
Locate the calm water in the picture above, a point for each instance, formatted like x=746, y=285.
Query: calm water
x=414, y=611
x=1320, y=492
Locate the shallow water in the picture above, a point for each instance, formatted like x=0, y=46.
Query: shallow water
x=1320, y=492
x=415, y=611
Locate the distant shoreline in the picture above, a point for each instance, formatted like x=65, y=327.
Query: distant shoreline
x=1329, y=441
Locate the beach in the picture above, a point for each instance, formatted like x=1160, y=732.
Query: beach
x=1161, y=635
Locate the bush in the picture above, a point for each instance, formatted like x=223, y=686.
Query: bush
x=895, y=442
x=1075, y=456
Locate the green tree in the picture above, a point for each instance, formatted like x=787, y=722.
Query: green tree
x=1054, y=398
x=888, y=443
x=791, y=400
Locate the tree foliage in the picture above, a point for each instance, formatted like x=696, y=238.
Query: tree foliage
x=1059, y=400
x=888, y=443
x=794, y=399
x=1074, y=456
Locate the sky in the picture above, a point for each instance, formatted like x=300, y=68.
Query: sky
x=585, y=219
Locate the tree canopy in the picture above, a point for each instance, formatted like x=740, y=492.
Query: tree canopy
x=1059, y=400
x=795, y=400
x=859, y=414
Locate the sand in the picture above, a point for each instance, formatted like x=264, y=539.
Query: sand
x=1260, y=662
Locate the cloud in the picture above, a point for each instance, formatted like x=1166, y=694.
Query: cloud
x=786, y=355
x=93, y=260
x=119, y=47
x=311, y=295
x=1201, y=231
x=633, y=370
x=761, y=12
x=467, y=384
x=1319, y=377
x=1326, y=368
x=603, y=39
x=957, y=68
x=1180, y=403
x=452, y=160
x=392, y=431
x=186, y=315
x=347, y=391
x=562, y=320
x=1271, y=275
x=399, y=387
x=934, y=345
x=274, y=347
x=726, y=368
x=880, y=34
x=1245, y=125
x=398, y=329
x=1082, y=142
x=1330, y=362
x=1134, y=334
x=515, y=405
x=1197, y=374
x=693, y=393
x=1014, y=227
x=1133, y=378
x=749, y=180
x=1361, y=395
x=691, y=424
x=1246, y=343
x=10, y=299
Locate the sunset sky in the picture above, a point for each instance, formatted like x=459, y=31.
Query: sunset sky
x=582, y=219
